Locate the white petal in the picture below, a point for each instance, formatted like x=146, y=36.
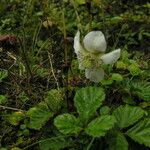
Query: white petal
x=95, y=74
x=77, y=45
x=79, y=50
x=95, y=42
x=111, y=57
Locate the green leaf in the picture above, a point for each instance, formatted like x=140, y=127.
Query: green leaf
x=105, y=110
x=15, y=118
x=80, y=2
x=134, y=70
x=38, y=115
x=54, y=99
x=54, y=143
x=141, y=132
x=67, y=124
x=87, y=101
x=117, y=141
x=128, y=115
x=3, y=99
x=3, y=74
x=117, y=77
x=99, y=126
x=142, y=89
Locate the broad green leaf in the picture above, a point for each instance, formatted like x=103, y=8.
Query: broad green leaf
x=142, y=89
x=67, y=124
x=87, y=101
x=141, y=132
x=54, y=143
x=99, y=126
x=38, y=115
x=117, y=141
x=54, y=99
x=128, y=115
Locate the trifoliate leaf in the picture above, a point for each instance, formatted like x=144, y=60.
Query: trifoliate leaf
x=128, y=115
x=99, y=126
x=87, y=101
x=141, y=132
x=39, y=115
x=67, y=124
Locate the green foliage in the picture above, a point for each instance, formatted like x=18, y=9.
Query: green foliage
x=99, y=126
x=54, y=99
x=87, y=101
x=128, y=115
x=15, y=118
x=117, y=141
x=3, y=99
x=67, y=124
x=117, y=77
x=141, y=89
x=105, y=110
x=141, y=132
x=38, y=116
x=55, y=143
x=3, y=74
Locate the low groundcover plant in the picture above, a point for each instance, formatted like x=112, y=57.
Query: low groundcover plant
x=91, y=55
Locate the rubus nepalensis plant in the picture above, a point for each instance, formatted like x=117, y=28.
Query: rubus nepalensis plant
x=91, y=56
x=124, y=121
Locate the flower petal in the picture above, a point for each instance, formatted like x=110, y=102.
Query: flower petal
x=111, y=57
x=79, y=50
x=95, y=74
x=77, y=45
x=95, y=42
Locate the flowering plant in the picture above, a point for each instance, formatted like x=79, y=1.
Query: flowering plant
x=91, y=55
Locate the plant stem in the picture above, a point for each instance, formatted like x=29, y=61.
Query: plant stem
x=89, y=146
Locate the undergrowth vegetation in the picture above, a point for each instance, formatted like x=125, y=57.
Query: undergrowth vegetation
x=46, y=101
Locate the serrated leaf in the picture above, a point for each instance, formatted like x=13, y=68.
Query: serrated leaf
x=128, y=115
x=87, y=101
x=67, y=124
x=39, y=115
x=54, y=99
x=141, y=132
x=54, y=143
x=99, y=126
x=117, y=141
x=142, y=89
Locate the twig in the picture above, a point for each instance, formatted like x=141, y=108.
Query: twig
x=52, y=69
x=10, y=108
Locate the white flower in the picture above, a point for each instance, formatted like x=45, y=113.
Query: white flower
x=91, y=55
